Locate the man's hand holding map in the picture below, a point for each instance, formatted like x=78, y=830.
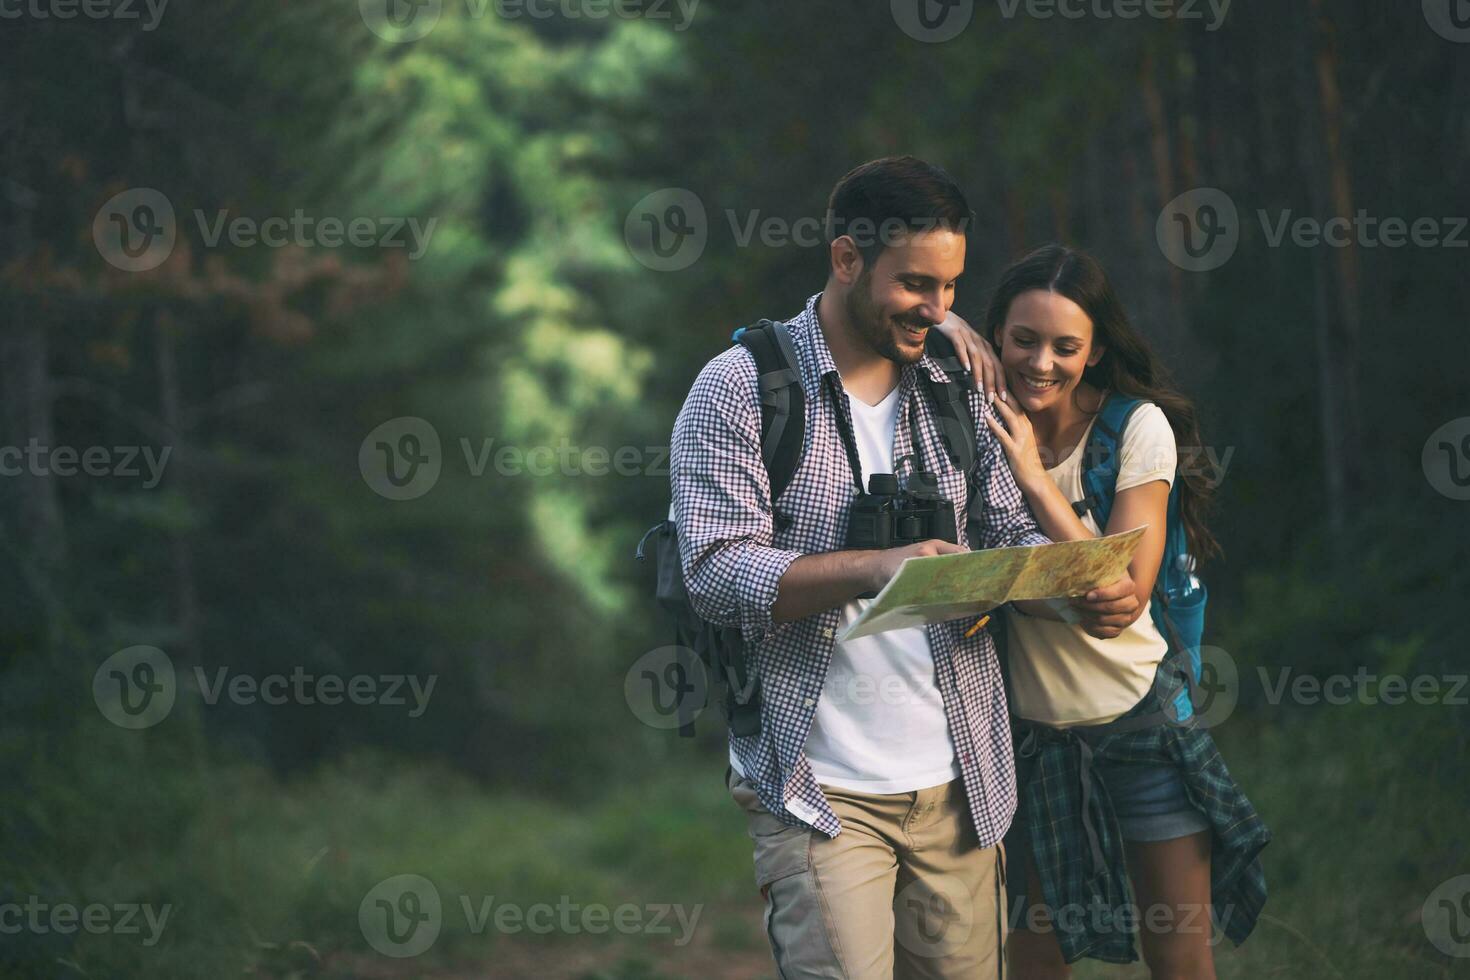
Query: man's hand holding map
x=944, y=587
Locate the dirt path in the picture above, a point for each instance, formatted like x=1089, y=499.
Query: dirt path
x=594, y=958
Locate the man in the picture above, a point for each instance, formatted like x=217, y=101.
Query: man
x=881, y=781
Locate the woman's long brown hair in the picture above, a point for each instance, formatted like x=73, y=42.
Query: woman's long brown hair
x=1128, y=365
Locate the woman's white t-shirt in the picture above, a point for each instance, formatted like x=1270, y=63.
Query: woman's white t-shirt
x=1060, y=676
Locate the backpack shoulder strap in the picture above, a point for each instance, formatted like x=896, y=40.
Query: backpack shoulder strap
x=1102, y=458
x=783, y=403
x=956, y=425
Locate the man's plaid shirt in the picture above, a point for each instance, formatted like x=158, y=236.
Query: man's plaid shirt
x=733, y=558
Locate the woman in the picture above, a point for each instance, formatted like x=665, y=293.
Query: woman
x=1096, y=761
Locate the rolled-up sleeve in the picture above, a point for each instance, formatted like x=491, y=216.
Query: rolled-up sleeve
x=1005, y=519
x=722, y=501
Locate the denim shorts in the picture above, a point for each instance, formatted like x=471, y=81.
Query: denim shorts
x=1150, y=802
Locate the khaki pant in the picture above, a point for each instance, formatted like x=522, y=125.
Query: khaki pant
x=903, y=891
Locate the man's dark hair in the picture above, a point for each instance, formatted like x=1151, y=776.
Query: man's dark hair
x=882, y=199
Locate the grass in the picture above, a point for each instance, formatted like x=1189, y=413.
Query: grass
x=1368, y=808
x=267, y=876
x=1368, y=805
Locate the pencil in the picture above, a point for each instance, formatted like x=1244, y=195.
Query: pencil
x=978, y=623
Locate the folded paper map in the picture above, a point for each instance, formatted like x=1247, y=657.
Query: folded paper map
x=944, y=587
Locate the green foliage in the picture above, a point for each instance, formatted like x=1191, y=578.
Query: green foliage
x=527, y=325
x=267, y=875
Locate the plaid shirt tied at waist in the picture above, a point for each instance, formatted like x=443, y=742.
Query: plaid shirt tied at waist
x=1066, y=820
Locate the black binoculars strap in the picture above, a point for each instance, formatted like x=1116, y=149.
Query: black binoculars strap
x=844, y=430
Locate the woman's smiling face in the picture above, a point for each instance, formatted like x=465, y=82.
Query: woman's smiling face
x=1045, y=345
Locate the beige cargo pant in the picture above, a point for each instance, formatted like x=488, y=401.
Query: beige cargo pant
x=903, y=891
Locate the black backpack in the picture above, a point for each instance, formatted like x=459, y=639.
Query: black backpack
x=720, y=650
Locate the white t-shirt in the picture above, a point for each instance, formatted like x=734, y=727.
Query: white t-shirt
x=1060, y=676
x=880, y=725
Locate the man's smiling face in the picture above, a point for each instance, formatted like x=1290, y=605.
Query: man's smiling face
x=909, y=289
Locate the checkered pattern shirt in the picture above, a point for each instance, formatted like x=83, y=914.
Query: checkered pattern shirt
x=733, y=558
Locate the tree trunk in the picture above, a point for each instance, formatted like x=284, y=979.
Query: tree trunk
x=26, y=398
x=1334, y=269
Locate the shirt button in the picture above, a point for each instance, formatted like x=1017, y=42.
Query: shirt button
x=965, y=758
x=809, y=702
x=828, y=632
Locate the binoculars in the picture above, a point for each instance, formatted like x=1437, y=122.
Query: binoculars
x=886, y=517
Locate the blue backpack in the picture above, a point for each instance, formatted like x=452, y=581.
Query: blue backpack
x=1179, y=599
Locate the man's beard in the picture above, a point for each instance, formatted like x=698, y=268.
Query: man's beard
x=877, y=330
